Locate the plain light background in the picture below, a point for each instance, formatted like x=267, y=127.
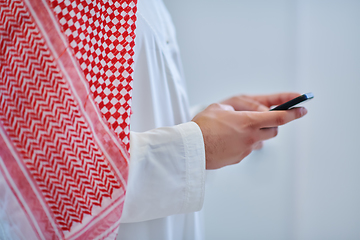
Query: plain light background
x=304, y=184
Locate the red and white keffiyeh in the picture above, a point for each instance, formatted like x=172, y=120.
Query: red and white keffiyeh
x=65, y=95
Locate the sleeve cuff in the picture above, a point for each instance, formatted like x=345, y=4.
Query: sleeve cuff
x=166, y=173
x=195, y=166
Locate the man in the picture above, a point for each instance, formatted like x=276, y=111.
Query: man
x=65, y=105
x=166, y=178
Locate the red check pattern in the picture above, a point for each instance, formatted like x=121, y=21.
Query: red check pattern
x=101, y=34
x=43, y=120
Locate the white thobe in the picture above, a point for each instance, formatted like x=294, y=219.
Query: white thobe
x=167, y=165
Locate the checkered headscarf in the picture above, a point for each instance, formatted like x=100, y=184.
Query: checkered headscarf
x=65, y=94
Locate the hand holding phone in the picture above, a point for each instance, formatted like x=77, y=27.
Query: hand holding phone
x=293, y=102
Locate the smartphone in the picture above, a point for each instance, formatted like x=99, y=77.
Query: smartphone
x=293, y=102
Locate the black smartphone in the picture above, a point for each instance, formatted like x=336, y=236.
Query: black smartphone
x=294, y=102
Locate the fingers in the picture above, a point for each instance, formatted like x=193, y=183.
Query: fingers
x=275, y=99
x=221, y=106
x=226, y=107
x=259, y=102
x=252, y=105
x=276, y=118
x=261, y=135
x=264, y=134
x=267, y=133
x=258, y=145
x=245, y=103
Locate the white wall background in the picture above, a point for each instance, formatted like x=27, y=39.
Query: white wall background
x=305, y=184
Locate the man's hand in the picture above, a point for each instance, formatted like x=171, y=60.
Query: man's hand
x=230, y=135
x=258, y=103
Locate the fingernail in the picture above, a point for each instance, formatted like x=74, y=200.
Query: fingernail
x=263, y=108
x=303, y=111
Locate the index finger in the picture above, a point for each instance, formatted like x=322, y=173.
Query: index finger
x=275, y=99
x=278, y=118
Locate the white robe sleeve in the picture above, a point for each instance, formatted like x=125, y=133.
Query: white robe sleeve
x=166, y=174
